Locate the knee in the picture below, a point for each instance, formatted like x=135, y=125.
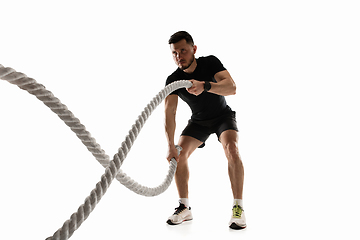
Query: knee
x=183, y=158
x=231, y=149
x=184, y=154
x=232, y=153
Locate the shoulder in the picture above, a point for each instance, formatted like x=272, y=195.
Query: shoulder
x=209, y=58
x=176, y=75
x=213, y=63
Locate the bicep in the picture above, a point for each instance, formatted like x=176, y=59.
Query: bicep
x=224, y=75
x=225, y=84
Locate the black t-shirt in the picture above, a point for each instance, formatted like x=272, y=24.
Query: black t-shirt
x=207, y=105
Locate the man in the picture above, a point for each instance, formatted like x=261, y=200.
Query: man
x=210, y=114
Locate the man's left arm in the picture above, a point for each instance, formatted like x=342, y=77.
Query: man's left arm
x=224, y=85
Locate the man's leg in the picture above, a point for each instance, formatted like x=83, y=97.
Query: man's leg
x=183, y=212
x=188, y=144
x=229, y=140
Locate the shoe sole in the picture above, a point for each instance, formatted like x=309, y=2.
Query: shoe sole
x=236, y=227
x=173, y=224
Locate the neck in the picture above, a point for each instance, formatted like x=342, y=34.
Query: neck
x=192, y=67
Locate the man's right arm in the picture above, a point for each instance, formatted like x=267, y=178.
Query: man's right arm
x=171, y=103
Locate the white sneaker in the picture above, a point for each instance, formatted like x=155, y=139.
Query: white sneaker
x=181, y=215
x=238, y=220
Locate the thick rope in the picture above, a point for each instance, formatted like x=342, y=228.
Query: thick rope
x=112, y=167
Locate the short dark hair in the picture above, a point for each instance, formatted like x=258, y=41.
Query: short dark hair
x=178, y=36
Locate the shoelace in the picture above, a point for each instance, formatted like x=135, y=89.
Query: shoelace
x=237, y=211
x=179, y=209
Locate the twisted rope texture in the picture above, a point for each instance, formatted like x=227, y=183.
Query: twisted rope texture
x=112, y=167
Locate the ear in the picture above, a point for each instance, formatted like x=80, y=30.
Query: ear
x=194, y=48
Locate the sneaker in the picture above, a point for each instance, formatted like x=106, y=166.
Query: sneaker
x=181, y=214
x=238, y=220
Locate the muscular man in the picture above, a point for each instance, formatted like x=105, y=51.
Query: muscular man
x=210, y=114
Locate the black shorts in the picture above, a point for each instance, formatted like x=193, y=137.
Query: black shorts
x=201, y=130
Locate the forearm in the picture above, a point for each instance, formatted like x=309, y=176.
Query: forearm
x=170, y=126
x=171, y=102
x=224, y=88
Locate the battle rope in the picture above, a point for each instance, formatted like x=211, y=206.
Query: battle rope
x=112, y=167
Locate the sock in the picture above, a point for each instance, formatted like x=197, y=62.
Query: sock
x=238, y=202
x=184, y=201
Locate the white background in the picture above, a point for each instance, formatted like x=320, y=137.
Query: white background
x=296, y=65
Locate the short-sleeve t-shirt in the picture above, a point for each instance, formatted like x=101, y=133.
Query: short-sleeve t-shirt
x=207, y=105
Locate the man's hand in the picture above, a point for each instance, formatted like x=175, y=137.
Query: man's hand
x=197, y=87
x=172, y=153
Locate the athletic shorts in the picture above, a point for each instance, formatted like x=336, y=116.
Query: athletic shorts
x=201, y=130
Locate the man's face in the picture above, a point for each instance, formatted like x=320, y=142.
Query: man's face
x=183, y=54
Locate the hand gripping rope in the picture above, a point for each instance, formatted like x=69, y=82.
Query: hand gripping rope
x=112, y=168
